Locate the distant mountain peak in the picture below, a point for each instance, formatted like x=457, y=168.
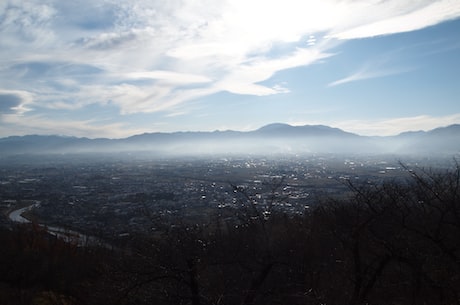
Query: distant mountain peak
x=281, y=129
x=274, y=126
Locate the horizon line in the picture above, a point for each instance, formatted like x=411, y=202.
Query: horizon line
x=227, y=130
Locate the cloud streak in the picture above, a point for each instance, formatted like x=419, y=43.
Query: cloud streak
x=368, y=73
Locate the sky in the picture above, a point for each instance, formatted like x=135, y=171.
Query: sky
x=115, y=68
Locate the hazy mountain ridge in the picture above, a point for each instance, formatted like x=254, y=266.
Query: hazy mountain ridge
x=272, y=138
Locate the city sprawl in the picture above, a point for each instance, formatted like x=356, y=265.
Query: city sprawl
x=112, y=197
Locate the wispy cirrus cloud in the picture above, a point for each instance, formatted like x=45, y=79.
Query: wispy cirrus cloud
x=168, y=77
x=369, y=73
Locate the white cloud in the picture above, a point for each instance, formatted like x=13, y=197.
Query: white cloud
x=26, y=22
x=19, y=125
x=174, y=114
x=169, y=77
x=243, y=78
x=415, y=16
x=19, y=101
x=394, y=126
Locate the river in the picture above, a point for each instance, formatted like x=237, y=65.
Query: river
x=64, y=234
x=16, y=215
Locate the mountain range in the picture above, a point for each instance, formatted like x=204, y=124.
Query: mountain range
x=270, y=139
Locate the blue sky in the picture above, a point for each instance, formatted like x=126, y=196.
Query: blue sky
x=106, y=68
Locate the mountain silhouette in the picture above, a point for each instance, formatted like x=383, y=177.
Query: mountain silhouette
x=272, y=138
